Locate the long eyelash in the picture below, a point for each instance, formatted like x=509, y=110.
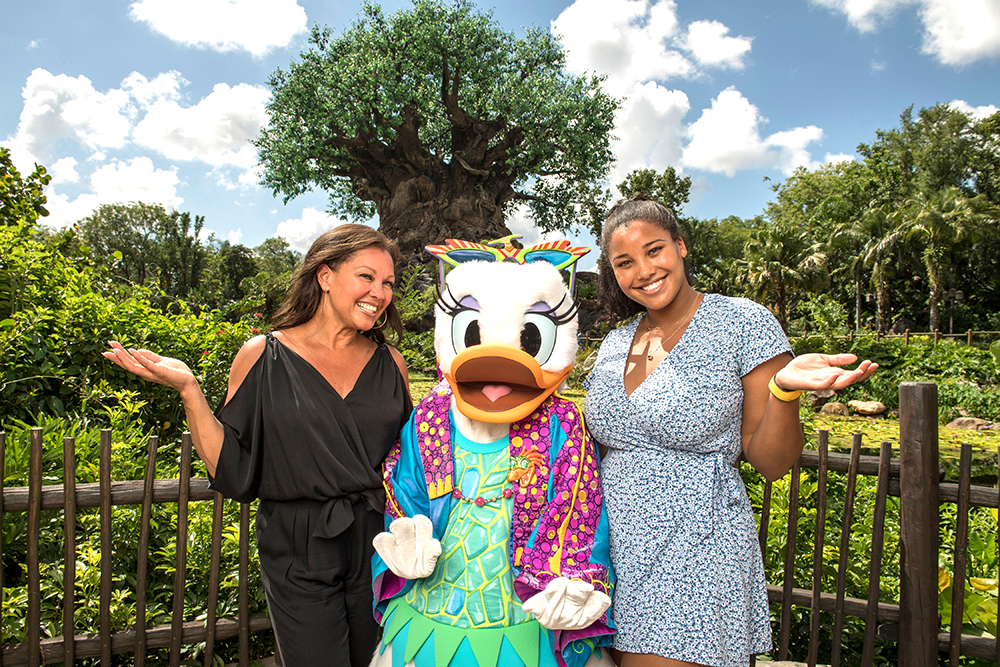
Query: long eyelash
x=451, y=308
x=562, y=319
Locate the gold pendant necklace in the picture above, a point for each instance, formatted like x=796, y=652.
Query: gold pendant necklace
x=659, y=344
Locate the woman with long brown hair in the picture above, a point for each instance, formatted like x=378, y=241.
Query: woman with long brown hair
x=311, y=410
x=676, y=396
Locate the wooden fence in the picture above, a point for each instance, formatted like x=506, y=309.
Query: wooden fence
x=105, y=494
x=912, y=622
x=967, y=337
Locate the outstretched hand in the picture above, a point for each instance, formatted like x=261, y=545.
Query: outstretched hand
x=822, y=371
x=151, y=366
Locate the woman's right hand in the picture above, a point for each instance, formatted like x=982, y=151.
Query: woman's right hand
x=152, y=367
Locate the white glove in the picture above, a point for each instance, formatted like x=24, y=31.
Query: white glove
x=567, y=604
x=409, y=549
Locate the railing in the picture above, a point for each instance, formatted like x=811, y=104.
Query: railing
x=105, y=495
x=935, y=336
x=915, y=478
x=591, y=340
x=913, y=622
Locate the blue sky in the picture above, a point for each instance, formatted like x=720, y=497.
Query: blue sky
x=156, y=100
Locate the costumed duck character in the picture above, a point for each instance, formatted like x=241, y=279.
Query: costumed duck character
x=496, y=550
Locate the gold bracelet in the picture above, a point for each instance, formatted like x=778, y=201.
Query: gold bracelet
x=781, y=394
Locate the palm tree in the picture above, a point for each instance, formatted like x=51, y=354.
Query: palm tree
x=939, y=220
x=779, y=260
x=854, y=232
x=877, y=254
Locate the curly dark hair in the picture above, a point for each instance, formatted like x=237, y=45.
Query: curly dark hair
x=332, y=249
x=623, y=214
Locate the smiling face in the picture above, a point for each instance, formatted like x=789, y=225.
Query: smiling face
x=358, y=290
x=648, y=263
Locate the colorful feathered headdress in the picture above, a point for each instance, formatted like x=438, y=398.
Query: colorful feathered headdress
x=557, y=253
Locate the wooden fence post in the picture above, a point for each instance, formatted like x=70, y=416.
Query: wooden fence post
x=906, y=338
x=919, y=516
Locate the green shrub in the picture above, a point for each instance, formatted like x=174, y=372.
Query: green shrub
x=63, y=316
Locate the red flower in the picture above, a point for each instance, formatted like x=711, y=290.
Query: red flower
x=257, y=315
x=255, y=330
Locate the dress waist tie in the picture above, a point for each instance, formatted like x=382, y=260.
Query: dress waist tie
x=337, y=514
x=726, y=490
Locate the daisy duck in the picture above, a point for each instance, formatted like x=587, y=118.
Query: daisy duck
x=496, y=548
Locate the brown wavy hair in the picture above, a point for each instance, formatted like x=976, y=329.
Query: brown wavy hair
x=332, y=249
x=623, y=214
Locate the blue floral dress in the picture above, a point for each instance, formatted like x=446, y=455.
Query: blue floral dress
x=683, y=538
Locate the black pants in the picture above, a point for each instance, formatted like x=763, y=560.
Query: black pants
x=319, y=590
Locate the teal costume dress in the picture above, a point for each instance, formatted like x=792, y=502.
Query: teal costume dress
x=502, y=539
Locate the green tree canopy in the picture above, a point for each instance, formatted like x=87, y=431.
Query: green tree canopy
x=440, y=122
x=21, y=199
x=668, y=188
x=147, y=245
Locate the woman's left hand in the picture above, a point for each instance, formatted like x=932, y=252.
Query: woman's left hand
x=822, y=371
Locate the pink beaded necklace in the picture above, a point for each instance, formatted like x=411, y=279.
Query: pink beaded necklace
x=522, y=471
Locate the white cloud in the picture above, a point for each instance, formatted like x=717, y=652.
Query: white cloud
x=709, y=43
x=518, y=221
x=960, y=32
x=834, y=158
x=727, y=138
x=977, y=113
x=634, y=41
x=865, y=15
x=58, y=107
x=251, y=178
x=626, y=39
x=120, y=181
x=255, y=26
x=956, y=32
x=136, y=180
x=35, y=44
x=649, y=128
x=64, y=212
x=64, y=171
x=235, y=236
x=640, y=44
x=301, y=232
x=217, y=130
x=166, y=86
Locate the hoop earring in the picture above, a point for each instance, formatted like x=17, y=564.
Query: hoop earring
x=385, y=318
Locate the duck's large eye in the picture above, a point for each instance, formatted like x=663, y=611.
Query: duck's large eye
x=465, y=329
x=538, y=336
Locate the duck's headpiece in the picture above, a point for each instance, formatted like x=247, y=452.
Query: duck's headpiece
x=505, y=324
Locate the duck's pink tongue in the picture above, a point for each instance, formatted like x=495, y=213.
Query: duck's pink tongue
x=496, y=391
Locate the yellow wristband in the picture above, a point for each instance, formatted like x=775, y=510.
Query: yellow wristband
x=781, y=394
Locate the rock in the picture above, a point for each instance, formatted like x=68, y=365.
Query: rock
x=972, y=423
x=867, y=408
x=817, y=399
x=835, y=408
x=901, y=325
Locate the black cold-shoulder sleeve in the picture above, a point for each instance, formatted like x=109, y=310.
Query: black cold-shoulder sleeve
x=238, y=471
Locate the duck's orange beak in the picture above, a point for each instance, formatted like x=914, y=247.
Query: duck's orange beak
x=498, y=384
